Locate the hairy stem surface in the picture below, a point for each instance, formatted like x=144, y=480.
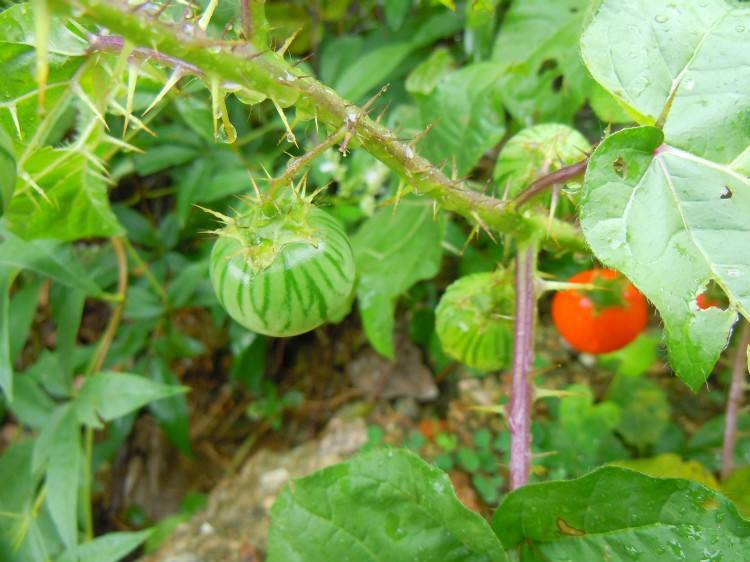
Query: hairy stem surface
x=519, y=417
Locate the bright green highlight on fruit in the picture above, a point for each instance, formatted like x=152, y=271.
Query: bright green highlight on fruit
x=282, y=267
x=475, y=320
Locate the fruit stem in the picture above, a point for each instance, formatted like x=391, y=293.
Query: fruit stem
x=545, y=286
x=519, y=418
x=739, y=370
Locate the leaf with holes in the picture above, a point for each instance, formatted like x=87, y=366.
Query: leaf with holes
x=688, y=62
x=672, y=222
x=467, y=116
x=544, y=78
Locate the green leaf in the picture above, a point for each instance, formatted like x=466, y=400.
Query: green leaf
x=31, y=405
x=110, y=395
x=76, y=203
x=17, y=26
x=695, y=54
x=425, y=77
x=672, y=222
x=19, y=115
x=372, y=69
x=737, y=489
x=111, y=547
x=64, y=460
x=467, y=115
x=636, y=358
x=393, y=250
x=544, y=78
x=67, y=311
x=583, y=435
x=644, y=410
x=7, y=170
x=537, y=150
x=619, y=515
x=384, y=505
x=396, y=12
x=670, y=465
x=48, y=258
x=172, y=412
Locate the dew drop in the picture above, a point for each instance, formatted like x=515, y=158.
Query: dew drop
x=227, y=133
x=733, y=272
x=290, y=137
x=689, y=84
x=740, y=28
x=661, y=18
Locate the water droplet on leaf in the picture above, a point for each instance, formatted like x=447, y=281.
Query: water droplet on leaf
x=227, y=134
x=661, y=18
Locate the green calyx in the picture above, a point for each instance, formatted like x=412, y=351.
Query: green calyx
x=265, y=226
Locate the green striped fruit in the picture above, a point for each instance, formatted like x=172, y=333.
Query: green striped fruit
x=474, y=320
x=283, y=268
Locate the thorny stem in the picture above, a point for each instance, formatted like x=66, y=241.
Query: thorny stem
x=94, y=367
x=268, y=73
x=519, y=417
x=739, y=370
x=296, y=164
x=114, y=44
x=547, y=181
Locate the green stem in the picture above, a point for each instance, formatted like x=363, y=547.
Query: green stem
x=94, y=367
x=268, y=73
x=88, y=482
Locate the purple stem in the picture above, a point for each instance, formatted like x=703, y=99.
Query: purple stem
x=739, y=370
x=113, y=43
x=519, y=418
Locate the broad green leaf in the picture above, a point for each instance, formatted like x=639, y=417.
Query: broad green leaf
x=671, y=465
x=7, y=170
x=109, y=395
x=17, y=26
x=536, y=151
x=544, y=78
x=385, y=505
x=425, y=77
x=76, y=203
x=49, y=258
x=64, y=460
x=644, y=410
x=19, y=115
x=620, y=515
x=672, y=222
x=393, y=250
x=696, y=54
x=467, y=117
x=582, y=438
x=372, y=69
x=111, y=547
x=31, y=405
